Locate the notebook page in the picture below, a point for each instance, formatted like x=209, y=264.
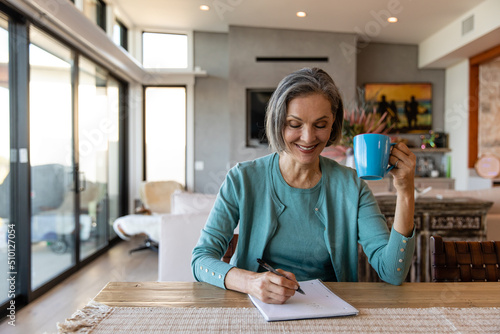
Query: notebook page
x=318, y=302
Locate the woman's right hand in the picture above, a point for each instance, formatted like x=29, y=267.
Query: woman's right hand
x=268, y=287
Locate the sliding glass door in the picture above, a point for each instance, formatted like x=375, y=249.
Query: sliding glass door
x=62, y=160
x=5, y=189
x=98, y=132
x=53, y=222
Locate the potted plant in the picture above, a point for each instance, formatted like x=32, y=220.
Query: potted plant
x=356, y=121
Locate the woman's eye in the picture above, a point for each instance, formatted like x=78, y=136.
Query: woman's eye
x=321, y=126
x=294, y=125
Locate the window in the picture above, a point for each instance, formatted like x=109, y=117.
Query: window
x=100, y=18
x=160, y=50
x=120, y=34
x=95, y=10
x=165, y=134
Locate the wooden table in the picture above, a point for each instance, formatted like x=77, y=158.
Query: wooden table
x=360, y=295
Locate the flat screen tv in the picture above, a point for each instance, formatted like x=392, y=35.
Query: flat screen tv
x=257, y=100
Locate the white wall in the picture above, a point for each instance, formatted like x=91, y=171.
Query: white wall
x=135, y=147
x=457, y=121
x=448, y=46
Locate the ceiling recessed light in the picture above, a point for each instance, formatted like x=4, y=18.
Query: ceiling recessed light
x=204, y=7
x=301, y=14
x=392, y=19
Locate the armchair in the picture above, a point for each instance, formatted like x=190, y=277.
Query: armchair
x=156, y=198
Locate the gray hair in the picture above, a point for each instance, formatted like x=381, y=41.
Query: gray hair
x=301, y=83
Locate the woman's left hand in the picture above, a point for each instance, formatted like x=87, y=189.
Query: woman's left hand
x=404, y=162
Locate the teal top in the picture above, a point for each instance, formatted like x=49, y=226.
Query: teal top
x=295, y=247
x=346, y=208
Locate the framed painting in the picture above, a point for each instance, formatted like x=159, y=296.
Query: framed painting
x=408, y=105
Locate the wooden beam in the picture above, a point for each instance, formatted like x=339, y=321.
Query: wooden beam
x=473, y=114
x=485, y=56
x=474, y=63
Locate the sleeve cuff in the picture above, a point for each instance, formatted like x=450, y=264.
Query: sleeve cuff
x=213, y=272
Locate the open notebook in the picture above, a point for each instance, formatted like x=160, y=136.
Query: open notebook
x=318, y=302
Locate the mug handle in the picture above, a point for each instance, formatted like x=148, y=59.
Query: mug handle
x=390, y=166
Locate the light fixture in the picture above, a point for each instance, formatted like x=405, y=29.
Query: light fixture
x=204, y=7
x=392, y=19
x=301, y=14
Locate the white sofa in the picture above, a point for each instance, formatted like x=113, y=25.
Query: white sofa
x=179, y=233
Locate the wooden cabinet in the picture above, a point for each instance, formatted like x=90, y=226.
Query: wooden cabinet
x=451, y=218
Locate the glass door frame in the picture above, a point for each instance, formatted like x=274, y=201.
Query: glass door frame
x=20, y=211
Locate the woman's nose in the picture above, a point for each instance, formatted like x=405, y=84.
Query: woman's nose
x=308, y=135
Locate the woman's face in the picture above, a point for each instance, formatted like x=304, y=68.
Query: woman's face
x=308, y=126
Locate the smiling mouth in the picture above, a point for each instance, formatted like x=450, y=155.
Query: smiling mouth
x=306, y=148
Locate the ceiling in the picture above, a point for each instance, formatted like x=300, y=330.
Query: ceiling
x=418, y=19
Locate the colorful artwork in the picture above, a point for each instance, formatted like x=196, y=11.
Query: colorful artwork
x=408, y=106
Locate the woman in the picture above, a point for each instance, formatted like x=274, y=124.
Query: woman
x=301, y=212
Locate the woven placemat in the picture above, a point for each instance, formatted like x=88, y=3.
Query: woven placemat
x=99, y=319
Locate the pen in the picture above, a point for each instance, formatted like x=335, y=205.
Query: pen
x=271, y=269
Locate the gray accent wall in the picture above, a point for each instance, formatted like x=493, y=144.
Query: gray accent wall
x=246, y=44
x=230, y=61
x=211, y=111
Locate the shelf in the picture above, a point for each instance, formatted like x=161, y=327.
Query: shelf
x=435, y=182
x=428, y=178
x=430, y=150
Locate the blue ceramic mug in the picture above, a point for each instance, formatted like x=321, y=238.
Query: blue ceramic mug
x=371, y=155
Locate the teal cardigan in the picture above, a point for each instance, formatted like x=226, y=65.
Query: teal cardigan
x=347, y=208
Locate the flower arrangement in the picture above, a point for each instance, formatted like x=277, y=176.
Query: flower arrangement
x=356, y=122
x=359, y=121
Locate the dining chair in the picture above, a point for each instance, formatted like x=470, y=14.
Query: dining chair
x=464, y=261
x=231, y=249
x=156, y=200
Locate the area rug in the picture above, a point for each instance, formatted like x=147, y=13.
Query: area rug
x=101, y=319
